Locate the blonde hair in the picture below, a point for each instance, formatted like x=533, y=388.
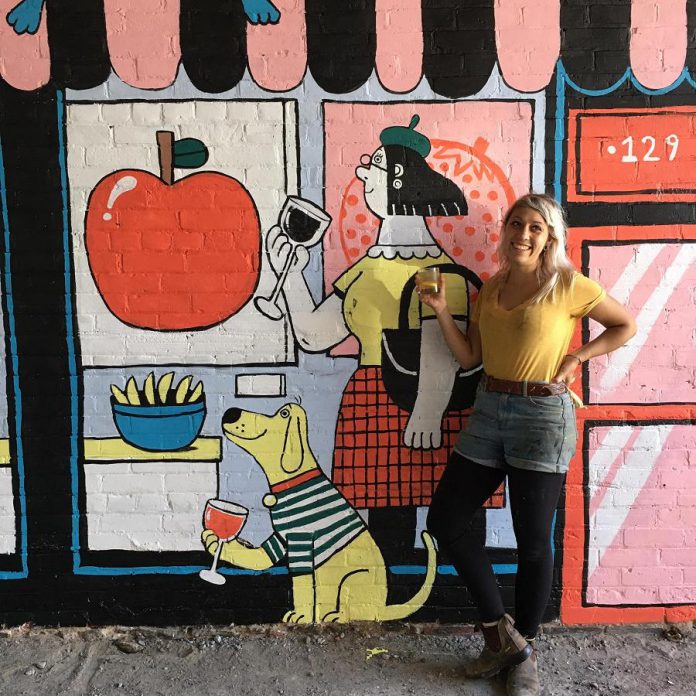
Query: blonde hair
x=554, y=265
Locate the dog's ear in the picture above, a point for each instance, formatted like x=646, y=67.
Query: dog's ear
x=294, y=446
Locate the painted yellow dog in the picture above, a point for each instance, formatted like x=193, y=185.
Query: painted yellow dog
x=337, y=570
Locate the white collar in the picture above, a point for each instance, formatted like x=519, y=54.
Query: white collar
x=405, y=251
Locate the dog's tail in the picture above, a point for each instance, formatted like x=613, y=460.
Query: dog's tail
x=394, y=612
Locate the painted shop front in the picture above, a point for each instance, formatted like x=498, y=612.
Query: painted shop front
x=166, y=347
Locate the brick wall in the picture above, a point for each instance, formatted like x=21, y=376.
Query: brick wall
x=113, y=275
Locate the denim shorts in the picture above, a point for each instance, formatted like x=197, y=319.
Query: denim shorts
x=527, y=432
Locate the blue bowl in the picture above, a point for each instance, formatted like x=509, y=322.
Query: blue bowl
x=159, y=428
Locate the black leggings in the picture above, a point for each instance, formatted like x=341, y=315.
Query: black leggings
x=534, y=495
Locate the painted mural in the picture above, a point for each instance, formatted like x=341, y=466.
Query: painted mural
x=213, y=213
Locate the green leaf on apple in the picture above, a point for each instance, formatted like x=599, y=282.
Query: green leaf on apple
x=189, y=153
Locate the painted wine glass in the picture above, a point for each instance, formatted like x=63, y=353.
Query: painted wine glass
x=225, y=520
x=304, y=223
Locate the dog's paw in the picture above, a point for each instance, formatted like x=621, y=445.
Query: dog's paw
x=210, y=541
x=296, y=617
x=332, y=617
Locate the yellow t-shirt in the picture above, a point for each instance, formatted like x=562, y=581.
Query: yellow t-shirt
x=371, y=294
x=529, y=341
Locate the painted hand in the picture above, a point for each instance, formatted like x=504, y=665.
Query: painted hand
x=210, y=541
x=278, y=246
x=261, y=11
x=424, y=428
x=25, y=17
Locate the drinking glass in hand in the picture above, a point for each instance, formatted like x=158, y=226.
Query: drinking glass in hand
x=304, y=223
x=225, y=520
x=428, y=280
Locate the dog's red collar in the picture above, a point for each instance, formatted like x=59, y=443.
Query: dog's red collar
x=296, y=481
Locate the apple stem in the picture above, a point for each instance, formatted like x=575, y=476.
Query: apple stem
x=165, y=151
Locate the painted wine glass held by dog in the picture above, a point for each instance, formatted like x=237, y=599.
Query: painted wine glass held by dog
x=225, y=520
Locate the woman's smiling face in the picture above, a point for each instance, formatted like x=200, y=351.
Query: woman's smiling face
x=373, y=174
x=525, y=236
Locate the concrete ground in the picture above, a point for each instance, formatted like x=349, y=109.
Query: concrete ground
x=357, y=660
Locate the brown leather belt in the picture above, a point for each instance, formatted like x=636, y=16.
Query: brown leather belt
x=508, y=386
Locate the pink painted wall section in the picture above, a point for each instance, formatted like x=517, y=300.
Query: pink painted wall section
x=528, y=39
x=642, y=535
x=140, y=56
x=25, y=61
x=278, y=52
x=658, y=41
x=656, y=281
x=399, y=58
x=484, y=147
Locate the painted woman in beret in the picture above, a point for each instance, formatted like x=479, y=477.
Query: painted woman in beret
x=386, y=459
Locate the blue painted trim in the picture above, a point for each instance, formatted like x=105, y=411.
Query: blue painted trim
x=173, y=570
x=498, y=569
x=17, y=393
x=70, y=331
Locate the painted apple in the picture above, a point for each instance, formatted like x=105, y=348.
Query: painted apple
x=171, y=257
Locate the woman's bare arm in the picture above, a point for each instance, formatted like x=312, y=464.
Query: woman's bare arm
x=466, y=347
x=619, y=327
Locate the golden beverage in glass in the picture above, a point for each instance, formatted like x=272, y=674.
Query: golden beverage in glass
x=429, y=280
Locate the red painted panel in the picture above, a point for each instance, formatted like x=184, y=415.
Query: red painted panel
x=617, y=155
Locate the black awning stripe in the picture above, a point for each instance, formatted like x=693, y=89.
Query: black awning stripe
x=595, y=41
x=341, y=43
x=213, y=43
x=77, y=42
x=459, y=45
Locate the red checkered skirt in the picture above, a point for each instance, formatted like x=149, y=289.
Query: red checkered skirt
x=372, y=467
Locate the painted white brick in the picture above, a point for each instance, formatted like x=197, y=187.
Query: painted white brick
x=131, y=483
x=178, y=112
x=83, y=113
x=117, y=113
x=147, y=114
x=210, y=111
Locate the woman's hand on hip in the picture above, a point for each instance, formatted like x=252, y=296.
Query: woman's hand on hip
x=566, y=370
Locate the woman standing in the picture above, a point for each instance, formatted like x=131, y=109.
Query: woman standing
x=523, y=423
x=386, y=459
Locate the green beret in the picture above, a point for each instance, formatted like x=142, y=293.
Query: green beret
x=408, y=137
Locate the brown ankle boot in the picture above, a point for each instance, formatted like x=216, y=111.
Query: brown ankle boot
x=505, y=647
x=523, y=679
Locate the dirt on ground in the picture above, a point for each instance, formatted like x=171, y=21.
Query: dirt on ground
x=355, y=660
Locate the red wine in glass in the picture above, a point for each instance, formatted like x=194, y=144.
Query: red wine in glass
x=304, y=223
x=225, y=520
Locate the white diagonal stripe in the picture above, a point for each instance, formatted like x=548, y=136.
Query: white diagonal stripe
x=620, y=362
x=606, y=453
x=607, y=520
x=628, y=281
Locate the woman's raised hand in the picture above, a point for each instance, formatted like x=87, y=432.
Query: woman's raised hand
x=278, y=246
x=436, y=300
